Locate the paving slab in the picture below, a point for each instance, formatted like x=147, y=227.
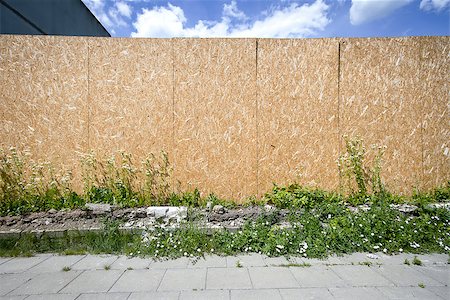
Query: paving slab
x=278, y=261
x=95, y=262
x=441, y=291
x=46, y=283
x=154, y=296
x=10, y=282
x=361, y=275
x=135, y=263
x=397, y=259
x=228, y=278
x=104, y=296
x=53, y=297
x=317, y=276
x=405, y=275
x=56, y=263
x=208, y=262
x=306, y=293
x=93, y=281
x=272, y=277
x=437, y=272
x=181, y=263
x=268, y=294
x=4, y=259
x=250, y=260
x=434, y=259
x=358, y=257
x=183, y=279
x=204, y=295
x=357, y=293
x=21, y=264
x=408, y=293
x=138, y=281
x=12, y=297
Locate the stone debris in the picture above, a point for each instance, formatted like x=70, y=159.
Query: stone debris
x=372, y=256
x=218, y=209
x=404, y=208
x=98, y=209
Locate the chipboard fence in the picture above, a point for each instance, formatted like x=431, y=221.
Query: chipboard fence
x=235, y=115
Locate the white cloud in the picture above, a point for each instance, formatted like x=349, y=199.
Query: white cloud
x=294, y=20
x=434, y=5
x=112, y=17
x=231, y=11
x=364, y=11
x=123, y=9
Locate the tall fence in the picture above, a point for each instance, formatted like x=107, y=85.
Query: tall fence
x=235, y=115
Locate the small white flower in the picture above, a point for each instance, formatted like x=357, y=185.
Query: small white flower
x=400, y=250
x=376, y=247
x=384, y=250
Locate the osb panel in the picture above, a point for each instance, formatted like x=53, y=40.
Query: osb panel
x=215, y=115
x=434, y=73
x=298, y=112
x=130, y=91
x=381, y=102
x=43, y=95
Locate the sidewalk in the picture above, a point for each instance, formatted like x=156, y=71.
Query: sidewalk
x=242, y=277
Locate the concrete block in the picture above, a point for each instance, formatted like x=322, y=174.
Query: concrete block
x=138, y=281
x=183, y=279
x=317, y=276
x=272, y=277
x=228, y=278
x=46, y=283
x=93, y=281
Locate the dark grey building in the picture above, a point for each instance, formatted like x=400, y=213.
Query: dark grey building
x=52, y=17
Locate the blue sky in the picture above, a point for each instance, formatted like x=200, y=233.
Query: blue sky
x=274, y=18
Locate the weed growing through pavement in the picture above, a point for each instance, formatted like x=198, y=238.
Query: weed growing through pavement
x=421, y=285
x=406, y=262
x=416, y=261
x=66, y=269
x=107, y=267
x=238, y=264
x=302, y=265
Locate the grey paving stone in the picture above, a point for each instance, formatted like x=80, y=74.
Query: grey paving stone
x=250, y=260
x=268, y=294
x=356, y=258
x=181, y=262
x=437, y=272
x=12, y=297
x=434, y=259
x=397, y=259
x=208, y=262
x=204, y=295
x=93, y=281
x=183, y=279
x=21, y=264
x=154, y=296
x=4, y=259
x=408, y=293
x=228, y=278
x=405, y=275
x=53, y=297
x=278, y=261
x=306, y=293
x=317, y=276
x=105, y=296
x=138, y=281
x=46, y=283
x=361, y=275
x=10, y=282
x=357, y=293
x=95, y=262
x=441, y=291
x=272, y=277
x=135, y=263
x=56, y=263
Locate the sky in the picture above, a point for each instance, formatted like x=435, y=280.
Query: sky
x=272, y=18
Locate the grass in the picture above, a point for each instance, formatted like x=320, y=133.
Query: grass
x=107, y=267
x=365, y=263
x=421, y=285
x=406, y=262
x=66, y=269
x=238, y=264
x=296, y=265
